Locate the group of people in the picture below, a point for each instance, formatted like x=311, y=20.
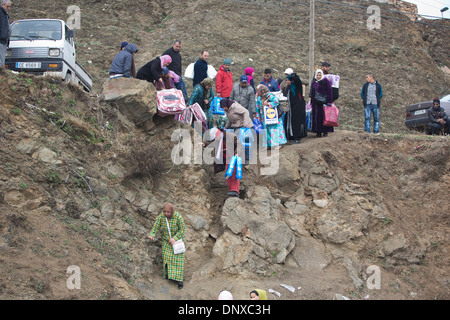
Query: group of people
x=163, y=71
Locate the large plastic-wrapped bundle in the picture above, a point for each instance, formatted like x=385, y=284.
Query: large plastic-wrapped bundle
x=334, y=79
x=231, y=166
x=331, y=114
x=238, y=168
x=185, y=117
x=215, y=106
x=170, y=102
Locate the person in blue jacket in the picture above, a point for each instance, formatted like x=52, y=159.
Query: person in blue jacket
x=371, y=93
x=123, y=62
x=269, y=81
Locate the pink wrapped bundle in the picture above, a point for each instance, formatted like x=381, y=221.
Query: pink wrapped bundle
x=331, y=114
x=185, y=117
x=170, y=102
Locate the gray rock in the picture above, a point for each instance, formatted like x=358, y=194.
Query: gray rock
x=393, y=244
x=198, y=222
x=310, y=254
x=108, y=211
x=46, y=155
x=27, y=146
x=134, y=98
x=253, y=223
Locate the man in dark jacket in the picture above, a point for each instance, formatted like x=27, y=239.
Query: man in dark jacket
x=4, y=30
x=123, y=62
x=201, y=69
x=269, y=81
x=371, y=93
x=438, y=118
x=176, y=66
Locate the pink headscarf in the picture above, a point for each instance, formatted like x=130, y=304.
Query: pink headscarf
x=248, y=72
x=164, y=59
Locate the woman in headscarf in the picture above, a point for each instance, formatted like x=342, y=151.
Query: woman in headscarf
x=258, y=294
x=203, y=94
x=173, y=264
x=237, y=115
x=152, y=70
x=250, y=72
x=275, y=133
x=296, y=116
x=217, y=139
x=238, y=118
x=321, y=94
x=170, y=80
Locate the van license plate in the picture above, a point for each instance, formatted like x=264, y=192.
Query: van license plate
x=420, y=112
x=28, y=65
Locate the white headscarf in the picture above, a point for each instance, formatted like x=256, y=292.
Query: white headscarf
x=225, y=295
x=319, y=71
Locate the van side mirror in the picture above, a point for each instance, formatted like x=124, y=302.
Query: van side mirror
x=70, y=33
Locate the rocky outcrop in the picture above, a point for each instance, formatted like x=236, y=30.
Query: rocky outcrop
x=254, y=233
x=135, y=99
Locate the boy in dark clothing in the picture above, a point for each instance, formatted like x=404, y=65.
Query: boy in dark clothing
x=122, y=63
x=438, y=118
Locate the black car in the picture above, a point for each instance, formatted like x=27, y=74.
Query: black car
x=417, y=115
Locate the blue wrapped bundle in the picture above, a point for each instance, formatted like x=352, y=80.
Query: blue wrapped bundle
x=308, y=120
x=257, y=125
x=246, y=137
x=231, y=166
x=215, y=106
x=239, y=168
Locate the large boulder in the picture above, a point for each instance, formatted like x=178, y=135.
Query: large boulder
x=135, y=99
x=254, y=232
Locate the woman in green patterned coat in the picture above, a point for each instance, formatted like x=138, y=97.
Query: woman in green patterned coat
x=275, y=135
x=173, y=264
x=203, y=94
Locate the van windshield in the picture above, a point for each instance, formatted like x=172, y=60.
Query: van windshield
x=36, y=30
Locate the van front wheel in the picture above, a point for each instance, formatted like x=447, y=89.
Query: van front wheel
x=68, y=77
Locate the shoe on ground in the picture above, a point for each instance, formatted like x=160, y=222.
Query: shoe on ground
x=233, y=194
x=180, y=284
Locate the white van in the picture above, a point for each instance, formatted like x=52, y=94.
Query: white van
x=45, y=47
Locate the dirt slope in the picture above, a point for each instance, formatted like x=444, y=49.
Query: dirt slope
x=42, y=232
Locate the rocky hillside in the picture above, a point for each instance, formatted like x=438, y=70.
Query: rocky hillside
x=82, y=183
x=83, y=176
